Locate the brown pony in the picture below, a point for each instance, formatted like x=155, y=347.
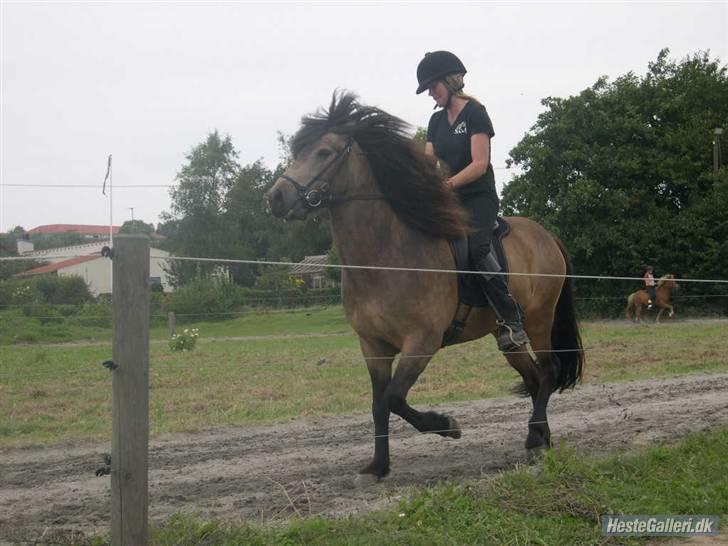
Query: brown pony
x=665, y=286
x=389, y=209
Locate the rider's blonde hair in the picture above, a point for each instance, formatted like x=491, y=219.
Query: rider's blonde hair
x=455, y=84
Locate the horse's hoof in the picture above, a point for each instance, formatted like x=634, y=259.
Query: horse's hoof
x=362, y=481
x=536, y=454
x=453, y=428
x=538, y=438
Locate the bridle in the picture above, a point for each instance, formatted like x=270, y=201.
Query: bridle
x=312, y=198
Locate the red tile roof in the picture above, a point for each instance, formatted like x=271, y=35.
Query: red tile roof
x=50, y=268
x=79, y=228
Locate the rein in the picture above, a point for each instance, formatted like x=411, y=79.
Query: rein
x=313, y=198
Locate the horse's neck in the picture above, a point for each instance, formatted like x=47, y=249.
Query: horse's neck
x=369, y=233
x=364, y=231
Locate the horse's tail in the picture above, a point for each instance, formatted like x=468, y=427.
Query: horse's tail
x=565, y=336
x=630, y=303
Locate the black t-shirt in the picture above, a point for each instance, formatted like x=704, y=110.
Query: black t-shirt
x=452, y=144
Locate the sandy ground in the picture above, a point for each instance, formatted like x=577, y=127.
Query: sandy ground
x=308, y=466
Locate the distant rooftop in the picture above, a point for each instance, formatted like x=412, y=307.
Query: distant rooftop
x=50, y=268
x=310, y=264
x=83, y=229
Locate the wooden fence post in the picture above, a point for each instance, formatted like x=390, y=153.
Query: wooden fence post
x=130, y=436
x=172, y=323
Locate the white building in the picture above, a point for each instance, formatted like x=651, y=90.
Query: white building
x=85, y=261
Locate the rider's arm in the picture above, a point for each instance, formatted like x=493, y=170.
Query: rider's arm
x=480, y=152
x=430, y=154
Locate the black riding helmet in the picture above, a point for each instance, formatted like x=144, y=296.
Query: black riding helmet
x=436, y=65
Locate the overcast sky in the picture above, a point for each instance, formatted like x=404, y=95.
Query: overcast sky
x=148, y=81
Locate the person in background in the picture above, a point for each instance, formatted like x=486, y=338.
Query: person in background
x=459, y=135
x=649, y=278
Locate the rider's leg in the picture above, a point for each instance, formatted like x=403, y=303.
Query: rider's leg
x=511, y=335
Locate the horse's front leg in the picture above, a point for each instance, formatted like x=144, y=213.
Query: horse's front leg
x=379, y=357
x=659, y=313
x=412, y=362
x=672, y=311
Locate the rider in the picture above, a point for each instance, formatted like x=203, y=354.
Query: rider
x=649, y=278
x=459, y=135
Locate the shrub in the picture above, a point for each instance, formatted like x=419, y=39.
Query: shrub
x=185, y=341
x=53, y=289
x=93, y=314
x=202, y=296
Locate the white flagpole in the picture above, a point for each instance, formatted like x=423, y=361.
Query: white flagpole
x=111, y=205
x=111, y=223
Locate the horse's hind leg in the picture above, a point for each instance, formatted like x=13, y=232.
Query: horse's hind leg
x=379, y=357
x=412, y=362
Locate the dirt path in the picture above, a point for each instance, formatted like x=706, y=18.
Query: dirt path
x=307, y=466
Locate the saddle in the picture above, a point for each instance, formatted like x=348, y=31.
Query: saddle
x=470, y=294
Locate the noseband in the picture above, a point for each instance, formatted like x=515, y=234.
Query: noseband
x=313, y=198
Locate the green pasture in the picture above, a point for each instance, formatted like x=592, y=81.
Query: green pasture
x=268, y=367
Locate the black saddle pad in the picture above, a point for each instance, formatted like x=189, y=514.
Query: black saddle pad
x=469, y=290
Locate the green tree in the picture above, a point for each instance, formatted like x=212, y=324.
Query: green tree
x=249, y=227
x=136, y=226
x=622, y=172
x=197, y=206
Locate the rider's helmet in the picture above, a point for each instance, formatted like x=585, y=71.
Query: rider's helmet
x=436, y=65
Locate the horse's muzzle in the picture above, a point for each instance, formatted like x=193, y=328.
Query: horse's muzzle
x=275, y=200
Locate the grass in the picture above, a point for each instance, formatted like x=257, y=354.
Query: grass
x=557, y=502
x=16, y=328
x=61, y=392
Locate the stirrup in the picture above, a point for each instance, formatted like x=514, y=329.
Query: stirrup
x=510, y=340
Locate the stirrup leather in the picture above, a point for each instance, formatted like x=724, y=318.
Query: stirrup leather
x=506, y=339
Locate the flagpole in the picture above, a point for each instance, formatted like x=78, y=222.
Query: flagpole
x=111, y=205
x=111, y=222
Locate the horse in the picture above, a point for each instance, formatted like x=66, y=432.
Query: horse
x=391, y=217
x=665, y=285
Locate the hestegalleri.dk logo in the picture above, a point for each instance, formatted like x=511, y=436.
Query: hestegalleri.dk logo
x=659, y=525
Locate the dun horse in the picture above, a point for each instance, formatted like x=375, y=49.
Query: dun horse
x=390, y=209
x=665, y=286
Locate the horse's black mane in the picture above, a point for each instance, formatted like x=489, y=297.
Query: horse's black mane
x=406, y=180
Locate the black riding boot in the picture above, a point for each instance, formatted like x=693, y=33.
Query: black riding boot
x=511, y=335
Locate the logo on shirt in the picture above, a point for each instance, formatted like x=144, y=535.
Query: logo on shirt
x=461, y=129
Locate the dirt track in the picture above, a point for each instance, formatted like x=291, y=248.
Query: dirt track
x=307, y=466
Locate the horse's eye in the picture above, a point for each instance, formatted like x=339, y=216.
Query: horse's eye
x=323, y=153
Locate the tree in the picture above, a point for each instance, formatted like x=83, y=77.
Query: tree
x=248, y=225
x=197, y=205
x=622, y=172
x=136, y=226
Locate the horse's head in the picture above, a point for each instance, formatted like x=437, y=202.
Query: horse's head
x=313, y=178
x=668, y=281
x=353, y=152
